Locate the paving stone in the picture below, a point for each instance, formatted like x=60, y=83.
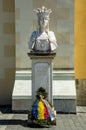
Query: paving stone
x=18, y=121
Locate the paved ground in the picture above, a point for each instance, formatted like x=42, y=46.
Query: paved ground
x=18, y=121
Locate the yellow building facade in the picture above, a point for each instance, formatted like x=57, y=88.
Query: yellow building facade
x=80, y=39
x=80, y=50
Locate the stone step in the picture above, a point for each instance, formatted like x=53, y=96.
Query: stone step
x=64, y=94
x=57, y=75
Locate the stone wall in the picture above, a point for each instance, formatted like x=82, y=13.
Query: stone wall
x=81, y=91
x=61, y=22
x=7, y=50
x=17, y=17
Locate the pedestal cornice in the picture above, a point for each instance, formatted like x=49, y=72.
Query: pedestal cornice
x=43, y=55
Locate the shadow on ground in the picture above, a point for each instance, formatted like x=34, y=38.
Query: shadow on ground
x=23, y=123
x=13, y=122
x=7, y=109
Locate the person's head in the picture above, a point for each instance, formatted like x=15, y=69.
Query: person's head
x=43, y=17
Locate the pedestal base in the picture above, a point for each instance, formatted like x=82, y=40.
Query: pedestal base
x=42, y=73
x=64, y=93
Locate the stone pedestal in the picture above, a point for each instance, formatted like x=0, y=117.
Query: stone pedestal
x=42, y=73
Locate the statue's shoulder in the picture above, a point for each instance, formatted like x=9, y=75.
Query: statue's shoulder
x=51, y=33
x=34, y=34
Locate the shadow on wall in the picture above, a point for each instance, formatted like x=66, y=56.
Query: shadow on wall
x=6, y=87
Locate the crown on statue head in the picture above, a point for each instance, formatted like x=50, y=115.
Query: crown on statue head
x=43, y=12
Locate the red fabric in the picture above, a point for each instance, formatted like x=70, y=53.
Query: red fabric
x=46, y=114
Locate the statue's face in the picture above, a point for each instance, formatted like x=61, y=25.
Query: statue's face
x=43, y=21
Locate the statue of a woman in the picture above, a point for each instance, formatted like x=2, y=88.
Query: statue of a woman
x=43, y=40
